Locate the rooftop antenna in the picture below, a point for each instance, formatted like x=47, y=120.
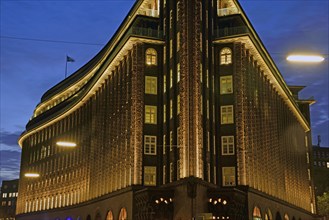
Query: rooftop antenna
x=319, y=140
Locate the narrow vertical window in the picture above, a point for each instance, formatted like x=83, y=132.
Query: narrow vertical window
x=229, y=176
x=164, y=53
x=171, y=78
x=228, y=145
x=164, y=83
x=164, y=174
x=170, y=140
x=150, y=145
x=178, y=72
x=164, y=113
x=201, y=75
x=178, y=142
x=150, y=175
x=170, y=49
x=171, y=109
x=177, y=10
x=178, y=104
x=151, y=56
x=170, y=24
x=178, y=168
x=226, y=85
x=225, y=56
x=164, y=144
x=208, y=141
x=226, y=114
x=178, y=40
x=150, y=114
x=151, y=85
x=171, y=172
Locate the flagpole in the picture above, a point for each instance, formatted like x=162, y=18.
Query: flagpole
x=65, y=66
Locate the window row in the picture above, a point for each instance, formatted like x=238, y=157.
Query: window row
x=51, y=202
x=9, y=195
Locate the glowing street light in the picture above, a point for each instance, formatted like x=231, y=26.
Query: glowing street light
x=32, y=175
x=305, y=58
x=66, y=144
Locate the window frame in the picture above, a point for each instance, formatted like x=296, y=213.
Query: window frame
x=225, y=85
x=225, y=56
x=228, y=175
x=151, y=175
x=151, y=85
x=228, y=145
x=151, y=113
x=229, y=119
x=151, y=57
x=150, y=145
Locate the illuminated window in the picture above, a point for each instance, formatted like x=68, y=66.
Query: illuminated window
x=226, y=114
x=268, y=215
x=109, y=215
x=170, y=49
x=178, y=104
x=286, y=217
x=228, y=145
x=225, y=56
x=149, y=176
x=256, y=215
x=164, y=113
x=151, y=85
x=151, y=56
x=170, y=140
x=164, y=144
x=150, y=114
x=4, y=195
x=150, y=145
x=170, y=22
x=164, y=48
x=178, y=72
x=123, y=214
x=171, y=78
x=164, y=83
x=171, y=108
x=228, y=176
x=327, y=164
x=226, y=85
x=178, y=40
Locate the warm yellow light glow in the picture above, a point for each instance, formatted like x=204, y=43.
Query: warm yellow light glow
x=305, y=58
x=32, y=175
x=66, y=144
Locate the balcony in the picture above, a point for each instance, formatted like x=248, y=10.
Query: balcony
x=227, y=11
x=145, y=32
x=226, y=32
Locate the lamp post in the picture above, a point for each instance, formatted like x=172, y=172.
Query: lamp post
x=32, y=175
x=305, y=58
x=66, y=144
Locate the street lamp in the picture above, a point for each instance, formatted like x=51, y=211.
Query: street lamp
x=305, y=58
x=32, y=175
x=66, y=144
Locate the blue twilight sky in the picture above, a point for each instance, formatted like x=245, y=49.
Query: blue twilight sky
x=36, y=36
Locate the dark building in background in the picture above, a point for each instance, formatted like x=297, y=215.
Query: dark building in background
x=321, y=169
x=182, y=115
x=8, y=199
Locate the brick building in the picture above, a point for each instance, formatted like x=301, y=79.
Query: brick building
x=183, y=114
